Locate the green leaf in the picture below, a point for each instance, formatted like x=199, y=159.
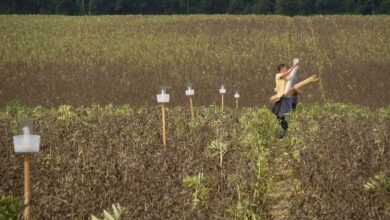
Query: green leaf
x=107, y=215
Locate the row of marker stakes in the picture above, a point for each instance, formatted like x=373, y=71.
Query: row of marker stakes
x=28, y=143
x=164, y=97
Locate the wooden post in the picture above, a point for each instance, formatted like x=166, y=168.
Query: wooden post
x=164, y=125
x=27, y=189
x=192, y=109
x=236, y=103
x=222, y=101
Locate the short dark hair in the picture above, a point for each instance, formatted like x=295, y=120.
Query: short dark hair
x=280, y=66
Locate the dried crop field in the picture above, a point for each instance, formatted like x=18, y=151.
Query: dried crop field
x=93, y=157
x=54, y=60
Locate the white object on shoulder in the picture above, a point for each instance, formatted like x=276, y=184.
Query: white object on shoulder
x=291, y=77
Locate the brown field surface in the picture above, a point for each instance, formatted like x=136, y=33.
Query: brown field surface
x=53, y=60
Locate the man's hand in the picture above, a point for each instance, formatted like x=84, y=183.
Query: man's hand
x=299, y=92
x=289, y=70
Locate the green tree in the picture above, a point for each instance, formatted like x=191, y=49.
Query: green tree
x=287, y=7
x=263, y=6
x=68, y=7
x=384, y=7
x=329, y=7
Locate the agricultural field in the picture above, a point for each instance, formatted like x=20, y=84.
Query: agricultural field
x=55, y=60
x=222, y=165
x=89, y=83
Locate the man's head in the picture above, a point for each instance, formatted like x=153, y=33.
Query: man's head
x=282, y=67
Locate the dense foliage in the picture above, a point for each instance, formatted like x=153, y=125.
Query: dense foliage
x=94, y=157
x=342, y=162
x=55, y=60
x=286, y=7
x=10, y=207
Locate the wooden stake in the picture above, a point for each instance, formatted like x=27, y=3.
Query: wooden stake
x=164, y=125
x=236, y=103
x=27, y=189
x=222, y=101
x=192, y=109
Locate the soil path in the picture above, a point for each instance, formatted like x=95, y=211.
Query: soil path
x=282, y=184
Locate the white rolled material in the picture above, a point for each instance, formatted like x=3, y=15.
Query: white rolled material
x=291, y=77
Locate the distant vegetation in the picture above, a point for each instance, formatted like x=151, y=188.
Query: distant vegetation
x=285, y=7
x=55, y=60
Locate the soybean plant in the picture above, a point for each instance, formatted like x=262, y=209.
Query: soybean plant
x=199, y=191
x=217, y=148
x=116, y=215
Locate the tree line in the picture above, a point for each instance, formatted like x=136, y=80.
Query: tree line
x=282, y=7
